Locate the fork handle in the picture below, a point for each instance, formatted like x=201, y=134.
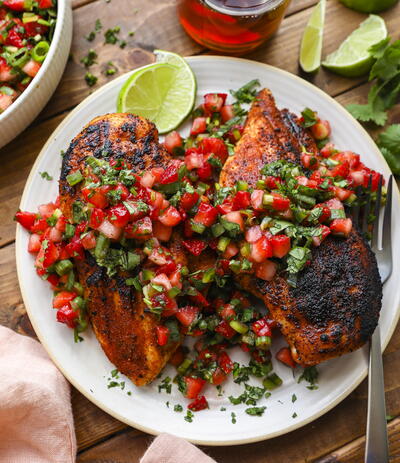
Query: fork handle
x=377, y=446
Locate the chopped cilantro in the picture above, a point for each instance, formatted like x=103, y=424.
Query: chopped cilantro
x=166, y=385
x=247, y=93
x=309, y=117
x=46, y=176
x=189, y=416
x=294, y=415
x=294, y=398
x=310, y=374
x=255, y=411
x=233, y=418
x=178, y=408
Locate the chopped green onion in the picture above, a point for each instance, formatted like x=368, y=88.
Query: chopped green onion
x=70, y=281
x=40, y=51
x=74, y=178
x=272, y=382
x=173, y=292
x=78, y=288
x=147, y=275
x=63, y=267
x=245, y=250
x=217, y=229
x=239, y=326
x=208, y=275
x=260, y=185
x=184, y=366
x=263, y=342
x=102, y=245
x=197, y=227
x=78, y=303
x=69, y=230
x=242, y=186
x=223, y=243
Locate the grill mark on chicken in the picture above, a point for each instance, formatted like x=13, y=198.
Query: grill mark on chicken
x=121, y=321
x=335, y=307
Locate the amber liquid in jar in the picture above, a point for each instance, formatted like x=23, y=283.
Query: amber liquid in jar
x=231, y=26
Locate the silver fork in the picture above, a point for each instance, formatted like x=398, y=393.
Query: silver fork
x=377, y=446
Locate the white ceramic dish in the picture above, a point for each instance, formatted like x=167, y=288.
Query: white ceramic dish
x=85, y=365
x=26, y=107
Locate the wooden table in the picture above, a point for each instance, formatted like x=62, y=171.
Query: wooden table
x=338, y=436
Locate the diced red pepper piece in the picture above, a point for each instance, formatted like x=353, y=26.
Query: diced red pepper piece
x=225, y=362
x=193, y=386
x=225, y=330
x=186, y=315
x=262, y=327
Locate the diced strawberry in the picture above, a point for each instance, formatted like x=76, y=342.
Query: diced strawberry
x=325, y=231
x=341, y=227
x=172, y=141
x=230, y=251
x=31, y=68
x=97, y=196
x=280, y=245
x=26, y=219
x=227, y=113
x=200, y=403
x=260, y=250
x=262, y=327
x=163, y=280
x=225, y=330
x=187, y=315
x=327, y=150
x=218, y=376
x=34, y=244
x=118, y=215
x=214, y=146
x=147, y=179
x=213, y=102
x=235, y=217
x=176, y=279
x=195, y=246
x=177, y=357
x=15, y=5
x=325, y=214
x=266, y=270
x=199, y=299
x=75, y=250
x=334, y=203
x=55, y=235
x=170, y=217
x=253, y=234
x=358, y=177
x=375, y=177
x=48, y=255
x=14, y=38
x=61, y=223
x=342, y=194
x=188, y=200
x=321, y=130
x=43, y=4
x=226, y=206
x=227, y=312
x=241, y=200
x=309, y=161
x=96, y=218
x=342, y=170
x=193, y=386
x=110, y=230
x=63, y=298
x=158, y=256
x=67, y=315
x=171, y=173
x=199, y=125
x=280, y=203
x=89, y=240
x=5, y=100
x=284, y=355
x=193, y=159
x=54, y=280
x=272, y=182
x=257, y=200
x=161, y=231
x=141, y=229
x=205, y=171
x=225, y=362
x=351, y=158
x=46, y=210
x=39, y=226
x=162, y=335
x=206, y=214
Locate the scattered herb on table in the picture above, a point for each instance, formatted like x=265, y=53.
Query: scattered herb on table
x=111, y=69
x=89, y=59
x=90, y=79
x=111, y=35
x=92, y=34
x=385, y=91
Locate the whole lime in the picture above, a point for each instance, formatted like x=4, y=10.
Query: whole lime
x=369, y=6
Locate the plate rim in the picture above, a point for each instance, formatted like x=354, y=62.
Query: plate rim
x=76, y=384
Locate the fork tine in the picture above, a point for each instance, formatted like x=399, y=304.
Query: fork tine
x=387, y=219
x=374, y=238
x=364, y=227
x=355, y=214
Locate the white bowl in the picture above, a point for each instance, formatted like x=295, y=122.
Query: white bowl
x=28, y=105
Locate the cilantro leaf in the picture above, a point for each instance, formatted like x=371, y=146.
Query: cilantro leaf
x=389, y=144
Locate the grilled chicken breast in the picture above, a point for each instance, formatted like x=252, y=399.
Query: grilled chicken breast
x=125, y=330
x=335, y=307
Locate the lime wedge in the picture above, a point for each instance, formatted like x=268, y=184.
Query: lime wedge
x=352, y=58
x=163, y=93
x=369, y=6
x=311, y=42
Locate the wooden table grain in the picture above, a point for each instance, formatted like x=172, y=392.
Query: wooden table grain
x=339, y=435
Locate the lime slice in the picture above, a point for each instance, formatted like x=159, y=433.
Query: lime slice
x=163, y=93
x=369, y=6
x=311, y=42
x=352, y=58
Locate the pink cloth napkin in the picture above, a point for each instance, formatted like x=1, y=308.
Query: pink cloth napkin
x=36, y=424
x=170, y=449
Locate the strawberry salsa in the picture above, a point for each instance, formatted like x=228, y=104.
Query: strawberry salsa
x=26, y=30
x=126, y=222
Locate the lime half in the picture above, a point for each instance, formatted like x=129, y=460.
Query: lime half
x=352, y=58
x=369, y=6
x=311, y=42
x=163, y=93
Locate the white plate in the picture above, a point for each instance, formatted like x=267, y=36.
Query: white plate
x=85, y=365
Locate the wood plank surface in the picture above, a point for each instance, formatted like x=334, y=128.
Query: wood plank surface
x=336, y=437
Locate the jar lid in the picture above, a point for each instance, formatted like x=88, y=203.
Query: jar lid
x=243, y=7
